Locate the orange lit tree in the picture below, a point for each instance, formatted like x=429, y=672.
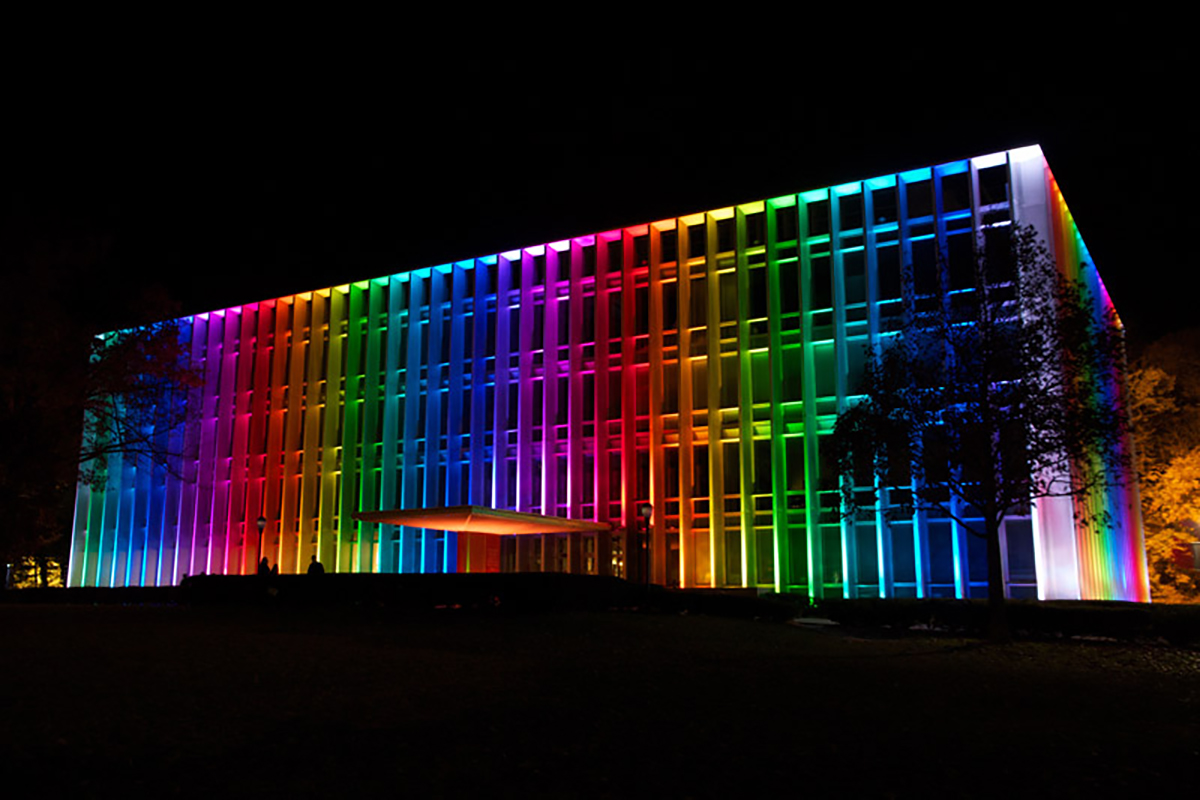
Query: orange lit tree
x=1164, y=392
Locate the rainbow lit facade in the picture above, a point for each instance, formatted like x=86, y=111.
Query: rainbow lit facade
x=696, y=363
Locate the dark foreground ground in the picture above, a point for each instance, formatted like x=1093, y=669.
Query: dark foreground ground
x=99, y=701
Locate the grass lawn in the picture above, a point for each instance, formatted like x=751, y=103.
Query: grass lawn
x=220, y=702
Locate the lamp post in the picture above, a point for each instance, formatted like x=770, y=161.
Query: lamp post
x=646, y=511
x=261, y=522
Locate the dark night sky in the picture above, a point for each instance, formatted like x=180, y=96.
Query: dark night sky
x=230, y=175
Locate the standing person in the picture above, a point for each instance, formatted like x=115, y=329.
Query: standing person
x=315, y=567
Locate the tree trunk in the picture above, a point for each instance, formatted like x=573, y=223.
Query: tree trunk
x=998, y=630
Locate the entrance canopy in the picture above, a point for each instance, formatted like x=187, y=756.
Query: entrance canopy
x=479, y=519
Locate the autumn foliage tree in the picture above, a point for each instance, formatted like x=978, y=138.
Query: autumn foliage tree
x=994, y=390
x=1164, y=399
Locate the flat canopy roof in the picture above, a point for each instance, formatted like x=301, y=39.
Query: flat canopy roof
x=479, y=519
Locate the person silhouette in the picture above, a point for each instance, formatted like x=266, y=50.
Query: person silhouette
x=264, y=566
x=315, y=567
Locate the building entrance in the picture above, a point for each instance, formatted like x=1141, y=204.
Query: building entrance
x=498, y=540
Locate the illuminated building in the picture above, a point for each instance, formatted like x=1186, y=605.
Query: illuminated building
x=695, y=363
